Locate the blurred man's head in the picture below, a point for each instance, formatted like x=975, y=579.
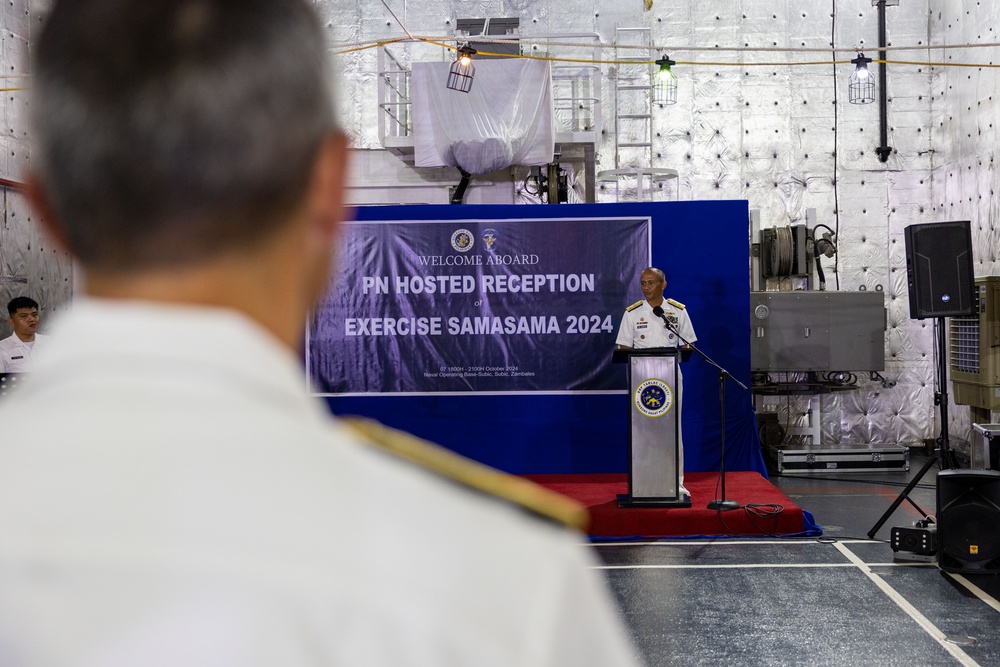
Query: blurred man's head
x=24, y=317
x=185, y=151
x=166, y=131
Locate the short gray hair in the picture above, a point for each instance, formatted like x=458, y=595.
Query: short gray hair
x=653, y=269
x=165, y=130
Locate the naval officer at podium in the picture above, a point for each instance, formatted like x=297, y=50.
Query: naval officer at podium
x=642, y=328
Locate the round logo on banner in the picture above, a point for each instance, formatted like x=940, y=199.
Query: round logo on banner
x=462, y=240
x=654, y=398
x=490, y=237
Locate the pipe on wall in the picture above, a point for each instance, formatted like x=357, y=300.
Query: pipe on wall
x=883, y=151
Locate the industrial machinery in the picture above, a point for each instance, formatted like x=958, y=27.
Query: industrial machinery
x=808, y=342
x=828, y=334
x=789, y=254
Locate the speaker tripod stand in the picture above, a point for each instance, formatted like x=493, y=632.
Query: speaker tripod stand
x=943, y=454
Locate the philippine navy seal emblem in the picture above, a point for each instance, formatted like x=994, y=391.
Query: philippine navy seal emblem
x=654, y=398
x=462, y=240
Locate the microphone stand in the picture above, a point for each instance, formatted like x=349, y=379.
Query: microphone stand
x=717, y=504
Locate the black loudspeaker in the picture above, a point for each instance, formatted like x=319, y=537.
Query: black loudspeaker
x=968, y=521
x=939, y=269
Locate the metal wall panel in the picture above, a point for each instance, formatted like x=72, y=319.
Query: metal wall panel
x=963, y=130
x=29, y=264
x=817, y=331
x=782, y=137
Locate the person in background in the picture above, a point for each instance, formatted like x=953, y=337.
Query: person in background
x=170, y=494
x=16, y=349
x=644, y=327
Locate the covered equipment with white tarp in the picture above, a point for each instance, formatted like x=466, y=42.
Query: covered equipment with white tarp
x=506, y=119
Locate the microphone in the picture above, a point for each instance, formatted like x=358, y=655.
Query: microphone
x=659, y=313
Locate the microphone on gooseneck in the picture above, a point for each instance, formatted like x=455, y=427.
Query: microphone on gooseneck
x=659, y=313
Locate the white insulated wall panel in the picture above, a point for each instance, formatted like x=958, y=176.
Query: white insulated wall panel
x=965, y=116
x=783, y=137
x=29, y=264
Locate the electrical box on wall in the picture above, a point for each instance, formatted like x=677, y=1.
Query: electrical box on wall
x=817, y=331
x=974, y=349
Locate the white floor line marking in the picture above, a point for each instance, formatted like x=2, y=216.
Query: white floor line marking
x=777, y=566
x=728, y=541
x=912, y=611
x=976, y=590
x=723, y=542
x=724, y=566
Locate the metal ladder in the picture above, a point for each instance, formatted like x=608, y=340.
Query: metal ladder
x=633, y=98
x=633, y=79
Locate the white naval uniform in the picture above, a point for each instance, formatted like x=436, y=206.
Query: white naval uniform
x=173, y=496
x=641, y=329
x=15, y=354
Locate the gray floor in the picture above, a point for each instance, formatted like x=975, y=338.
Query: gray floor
x=836, y=600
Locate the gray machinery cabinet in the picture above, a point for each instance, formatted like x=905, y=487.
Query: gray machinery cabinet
x=817, y=331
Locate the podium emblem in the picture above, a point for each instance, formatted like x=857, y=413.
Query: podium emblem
x=654, y=398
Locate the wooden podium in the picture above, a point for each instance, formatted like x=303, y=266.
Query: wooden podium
x=654, y=427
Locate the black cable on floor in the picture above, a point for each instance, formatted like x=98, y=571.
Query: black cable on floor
x=755, y=511
x=766, y=511
x=722, y=519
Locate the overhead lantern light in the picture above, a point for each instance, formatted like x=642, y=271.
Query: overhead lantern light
x=861, y=87
x=462, y=70
x=665, y=83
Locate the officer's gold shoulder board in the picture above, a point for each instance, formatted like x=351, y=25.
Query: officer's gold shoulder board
x=675, y=304
x=471, y=474
x=633, y=306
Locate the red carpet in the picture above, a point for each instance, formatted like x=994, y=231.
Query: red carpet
x=599, y=493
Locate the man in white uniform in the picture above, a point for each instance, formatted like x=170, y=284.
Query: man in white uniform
x=16, y=349
x=641, y=328
x=169, y=493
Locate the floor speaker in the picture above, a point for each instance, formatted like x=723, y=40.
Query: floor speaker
x=968, y=514
x=939, y=269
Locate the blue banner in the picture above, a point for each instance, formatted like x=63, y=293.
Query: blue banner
x=501, y=306
x=702, y=246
